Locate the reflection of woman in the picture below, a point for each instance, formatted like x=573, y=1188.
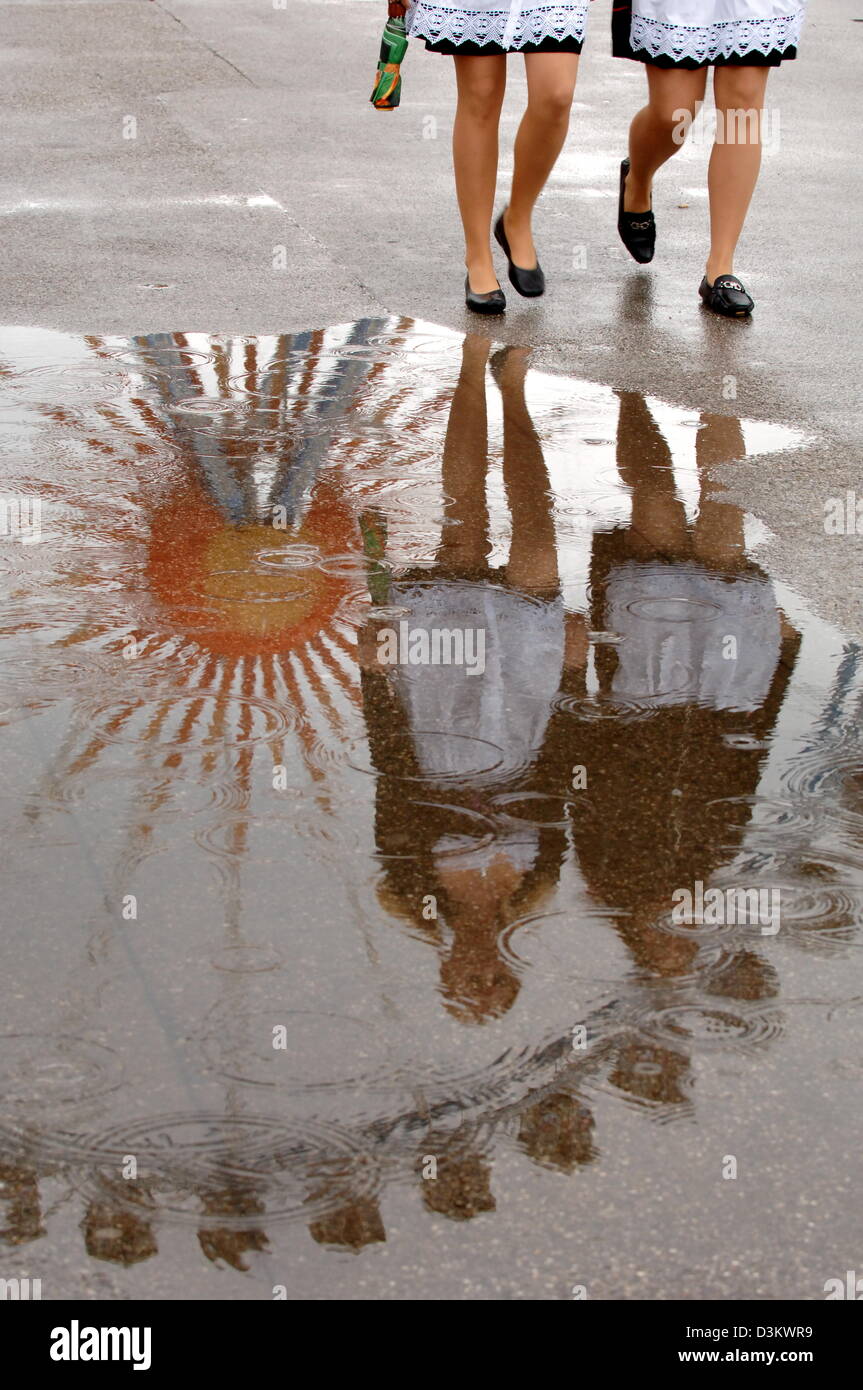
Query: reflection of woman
x=691, y=689
x=425, y=725
x=678, y=40
x=479, y=34
x=441, y=726
x=697, y=677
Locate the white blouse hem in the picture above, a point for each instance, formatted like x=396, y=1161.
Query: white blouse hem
x=724, y=39
x=509, y=28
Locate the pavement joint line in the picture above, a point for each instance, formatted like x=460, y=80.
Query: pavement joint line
x=197, y=38
x=340, y=265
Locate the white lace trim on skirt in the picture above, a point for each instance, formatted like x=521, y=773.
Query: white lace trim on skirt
x=510, y=28
x=723, y=39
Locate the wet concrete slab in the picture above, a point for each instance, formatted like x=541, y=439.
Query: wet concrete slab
x=432, y=832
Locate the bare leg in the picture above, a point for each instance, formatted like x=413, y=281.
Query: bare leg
x=481, y=86
x=659, y=128
x=540, y=139
x=735, y=160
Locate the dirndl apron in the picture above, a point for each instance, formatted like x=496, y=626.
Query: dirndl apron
x=498, y=26
x=699, y=33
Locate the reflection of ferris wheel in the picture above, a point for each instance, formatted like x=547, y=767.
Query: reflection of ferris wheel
x=253, y=542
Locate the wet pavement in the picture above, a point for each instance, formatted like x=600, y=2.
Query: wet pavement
x=217, y=165
x=333, y=971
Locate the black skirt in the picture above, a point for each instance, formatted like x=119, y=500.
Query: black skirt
x=479, y=50
x=621, y=22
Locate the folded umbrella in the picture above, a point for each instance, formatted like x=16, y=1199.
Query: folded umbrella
x=394, y=43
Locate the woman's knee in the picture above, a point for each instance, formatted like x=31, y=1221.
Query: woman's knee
x=739, y=89
x=553, y=104
x=481, y=86
x=482, y=98
x=673, y=119
x=674, y=100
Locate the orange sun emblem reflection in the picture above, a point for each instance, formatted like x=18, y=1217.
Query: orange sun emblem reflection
x=248, y=589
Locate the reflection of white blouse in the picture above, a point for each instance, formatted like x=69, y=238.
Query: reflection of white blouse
x=508, y=705
x=508, y=23
x=704, y=30
x=691, y=636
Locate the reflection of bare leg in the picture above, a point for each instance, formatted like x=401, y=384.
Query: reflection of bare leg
x=465, y=541
x=644, y=462
x=718, y=535
x=532, y=553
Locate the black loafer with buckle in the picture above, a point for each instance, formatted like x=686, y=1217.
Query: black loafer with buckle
x=726, y=296
x=637, y=229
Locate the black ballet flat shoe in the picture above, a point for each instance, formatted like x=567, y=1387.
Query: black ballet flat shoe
x=726, y=296
x=492, y=303
x=637, y=229
x=529, y=283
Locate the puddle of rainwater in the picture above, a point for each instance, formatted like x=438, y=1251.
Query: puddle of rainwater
x=413, y=754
